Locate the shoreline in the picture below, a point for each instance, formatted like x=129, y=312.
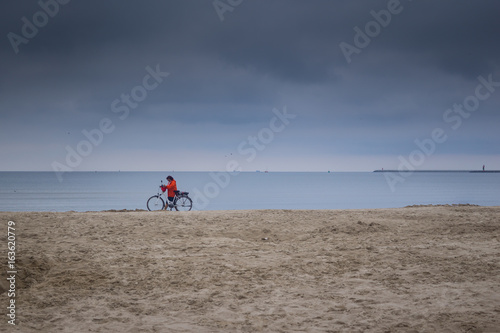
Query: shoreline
x=137, y=210
x=421, y=268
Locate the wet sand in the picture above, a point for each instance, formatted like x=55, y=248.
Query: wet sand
x=415, y=269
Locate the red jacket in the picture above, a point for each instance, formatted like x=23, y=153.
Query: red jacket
x=171, y=187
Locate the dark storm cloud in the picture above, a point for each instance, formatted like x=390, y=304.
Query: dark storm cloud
x=292, y=41
x=455, y=36
x=264, y=54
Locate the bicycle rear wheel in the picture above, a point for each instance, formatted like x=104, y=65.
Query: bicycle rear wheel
x=183, y=203
x=155, y=203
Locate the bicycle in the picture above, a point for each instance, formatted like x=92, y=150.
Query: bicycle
x=181, y=202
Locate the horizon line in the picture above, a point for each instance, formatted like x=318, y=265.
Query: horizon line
x=244, y=171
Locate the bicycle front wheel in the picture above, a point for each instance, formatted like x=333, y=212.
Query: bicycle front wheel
x=183, y=204
x=155, y=203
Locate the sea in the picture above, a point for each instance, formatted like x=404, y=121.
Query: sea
x=100, y=191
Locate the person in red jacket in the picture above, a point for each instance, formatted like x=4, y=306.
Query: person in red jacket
x=171, y=188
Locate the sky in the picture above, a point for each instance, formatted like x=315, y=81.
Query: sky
x=278, y=85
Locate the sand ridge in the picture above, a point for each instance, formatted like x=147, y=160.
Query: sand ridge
x=415, y=269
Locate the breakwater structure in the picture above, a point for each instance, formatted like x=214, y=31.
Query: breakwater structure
x=466, y=171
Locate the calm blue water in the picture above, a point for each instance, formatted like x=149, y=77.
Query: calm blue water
x=95, y=191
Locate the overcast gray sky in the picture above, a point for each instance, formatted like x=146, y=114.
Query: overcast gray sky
x=266, y=84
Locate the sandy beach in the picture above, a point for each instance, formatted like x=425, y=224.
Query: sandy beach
x=414, y=269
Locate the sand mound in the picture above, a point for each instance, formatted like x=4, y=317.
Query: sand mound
x=420, y=269
x=33, y=270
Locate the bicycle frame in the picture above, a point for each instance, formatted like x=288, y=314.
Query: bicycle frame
x=181, y=200
x=160, y=193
